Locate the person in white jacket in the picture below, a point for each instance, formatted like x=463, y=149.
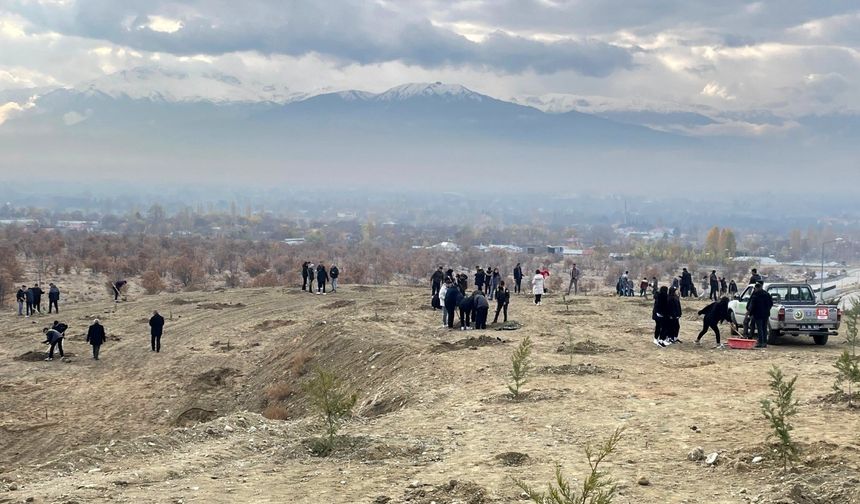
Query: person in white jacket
x=443, y=289
x=537, y=286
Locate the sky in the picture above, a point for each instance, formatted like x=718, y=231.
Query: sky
x=787, y=57
x=754, y=89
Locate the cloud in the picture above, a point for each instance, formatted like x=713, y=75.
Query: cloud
x=74, y=117
x=10, y=110
x=714, y=90
x=350, y=31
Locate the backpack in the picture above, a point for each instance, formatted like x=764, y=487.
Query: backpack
x=435, y=302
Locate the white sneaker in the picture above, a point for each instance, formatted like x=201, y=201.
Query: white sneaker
x=719, y=346
x=657, y=342
x=48, y=359
x=662, y=343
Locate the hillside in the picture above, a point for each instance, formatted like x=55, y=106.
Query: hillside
x=430, y=411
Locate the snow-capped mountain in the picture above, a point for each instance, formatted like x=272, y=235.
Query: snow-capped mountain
x=160, y=83
x=448, y=92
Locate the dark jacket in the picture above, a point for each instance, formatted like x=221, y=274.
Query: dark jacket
x=760, y=305
x=686, y=279
x=467, y=303
x=305, y=270
x=53, y=294
x=334, y=273
x=715, y=282
x=755, y=278
x=503, y=296
x=452, y=297
x=53, y=336
x=463, y=283
x=716, y=313
x=437, y=277
x=661, y=307
x=496, y=279
x=480, y=277
x=518, y=273
x=60, y=327
x=733, y=287
x=21, y=295
x=449, y=276
x=156, y=323
x=481, y=301
x=37, y=294
x=675, y=310
x=322, y=275
x=96, y=335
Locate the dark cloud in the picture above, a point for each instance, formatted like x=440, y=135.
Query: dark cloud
x=353, y=31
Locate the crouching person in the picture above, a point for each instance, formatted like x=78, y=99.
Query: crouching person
x=54, y=338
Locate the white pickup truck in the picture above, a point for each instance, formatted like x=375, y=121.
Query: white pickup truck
x=795, y=312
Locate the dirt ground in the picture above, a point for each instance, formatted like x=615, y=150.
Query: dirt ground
x=433, y=422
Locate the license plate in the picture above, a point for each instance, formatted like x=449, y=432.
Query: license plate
x=810, y=327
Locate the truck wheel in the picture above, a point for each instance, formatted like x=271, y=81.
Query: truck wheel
x=820, y=339
x=773, y=337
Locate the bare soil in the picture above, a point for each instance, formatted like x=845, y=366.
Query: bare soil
x=431, y=424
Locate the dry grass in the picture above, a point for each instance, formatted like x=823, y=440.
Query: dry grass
x=278, y=392
x=298, y=365
x=275, y=412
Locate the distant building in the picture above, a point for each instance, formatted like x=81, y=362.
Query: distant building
x=78, y=225
x=507, y=248
x=294, y=241
x=445, y=246
x=18, y=222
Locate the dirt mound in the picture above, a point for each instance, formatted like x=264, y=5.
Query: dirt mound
x=40, y=356
x=575, y=369
x=268, y=325
x=193, y=416
x=453, y=492
x=510, y=325
x=470, y=343
x=219, y=306
x=587, y=347
x=384, y=406
x=215, y=378
x=512, y=459
x=340, y=303
x=578, y=313
x=179, y=302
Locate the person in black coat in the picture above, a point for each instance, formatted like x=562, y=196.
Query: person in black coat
x=96, y=337
x=686, y=283
x=715, y=314
x=503, y=297
x=660, y=315
x=156, y=325
x=37, y=298
x=322, y=278
x=480, y=278
x=333, y=273
x=675, y=312
x=714, y=284
x=467, y=306
x=518, y=278
x=28, y=294
x=117, y=289
x=53, y=298
x=55, y=339
x=452, y=301
x=482, y=308
x=759, y=310
x=436, y=281
x=305, y=274
x=463, y=283
x=21, y=299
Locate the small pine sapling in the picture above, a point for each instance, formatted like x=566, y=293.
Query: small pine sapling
x=848, y=364
x=333, y=399
x=779, y=412
x=520, y=367
x=597, y=488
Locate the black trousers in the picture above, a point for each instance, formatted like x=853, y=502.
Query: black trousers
x=304, y=282
x=450, y=310
x=658, y=328
x=715, y=292
x=54, y=305
x=96, y=349
x=321, y=286
x=537, y=298
x=435, y=288
x=500, y=307
x=705, y=328
x=481, y=317
x=30, y=308
x=37, y=306
x=59, y=346
x=156, y=343
x=465, y=318
x=518, y=285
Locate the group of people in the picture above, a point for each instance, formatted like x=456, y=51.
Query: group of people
x=450, y=294
x=667, y=309
x=97, y=336
x=317, y=272
x=30, y=300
